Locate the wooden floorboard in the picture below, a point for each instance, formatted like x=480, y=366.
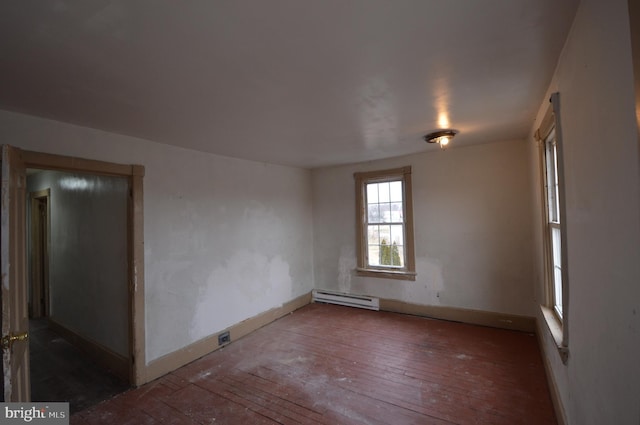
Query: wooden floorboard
x=329, y=365
x=62, y=372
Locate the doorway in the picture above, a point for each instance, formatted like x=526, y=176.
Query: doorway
x=17, y=304
x=78, y=322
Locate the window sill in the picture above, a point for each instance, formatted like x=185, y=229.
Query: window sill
x=387, y=274
x=555, y=328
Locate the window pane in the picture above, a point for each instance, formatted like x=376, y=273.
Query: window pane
x=557, y=290
x=555, y=242
x=383, y=192
x=385, y=253
x=401, y=256
x=385, y=234
x=556, y=193
x=397, y=235
x=385, y=213
x=372, y=193
x=552, y=181
x=395, y=189
x=396, y=258
x=554, y=147
x=557, y=269
x=396, y=212
x=373, y=235
x=374, y=255
x=373, y=213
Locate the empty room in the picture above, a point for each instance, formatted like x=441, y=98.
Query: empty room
x=322, y=211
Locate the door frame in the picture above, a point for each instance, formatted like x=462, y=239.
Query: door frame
x=135, y=241
x=40, y=244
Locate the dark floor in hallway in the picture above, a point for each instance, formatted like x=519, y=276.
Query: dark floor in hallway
x=60, y=372
x=327, y=364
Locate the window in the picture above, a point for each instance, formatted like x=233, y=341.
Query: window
x=548, y=136
x=385, y=224
x=555, y=308
x=553, y=222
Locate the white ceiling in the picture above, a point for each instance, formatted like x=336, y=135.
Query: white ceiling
x=300, y=82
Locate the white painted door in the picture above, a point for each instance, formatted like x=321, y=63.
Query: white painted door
x=15, y=320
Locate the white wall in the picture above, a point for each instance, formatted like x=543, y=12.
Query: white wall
x=88, y=255
x=601, y=382
x=225, y=239
x=472, y=219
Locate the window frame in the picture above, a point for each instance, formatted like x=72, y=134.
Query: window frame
x=408, y=272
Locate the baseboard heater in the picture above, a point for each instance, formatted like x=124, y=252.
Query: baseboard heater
x=360, y=301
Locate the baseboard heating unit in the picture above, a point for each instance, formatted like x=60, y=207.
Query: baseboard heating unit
x=360, y=301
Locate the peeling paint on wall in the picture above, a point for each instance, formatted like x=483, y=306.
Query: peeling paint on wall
x=247, y=284
x=346, y=268
x=431, y=286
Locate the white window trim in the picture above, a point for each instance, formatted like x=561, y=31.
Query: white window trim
x=558, y=326
x=408, y=272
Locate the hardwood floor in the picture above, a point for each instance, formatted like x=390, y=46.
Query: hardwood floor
x=61, y=372
x=327, y=364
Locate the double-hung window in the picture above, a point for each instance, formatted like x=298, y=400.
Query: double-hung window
x=555, y=308
x=385, y=224
x=553, y=222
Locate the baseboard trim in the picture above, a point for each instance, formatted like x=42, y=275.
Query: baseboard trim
x=183, y=356
x=455, y=314
x=551, y=382
x=116, y=363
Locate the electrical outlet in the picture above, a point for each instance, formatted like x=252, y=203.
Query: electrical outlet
x=224, y=338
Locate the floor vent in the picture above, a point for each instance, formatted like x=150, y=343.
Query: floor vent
x=360, y=301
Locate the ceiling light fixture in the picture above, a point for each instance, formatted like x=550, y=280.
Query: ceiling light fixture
x=442, y=137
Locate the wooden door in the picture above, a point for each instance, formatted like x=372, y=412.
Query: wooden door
x=15, y=321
